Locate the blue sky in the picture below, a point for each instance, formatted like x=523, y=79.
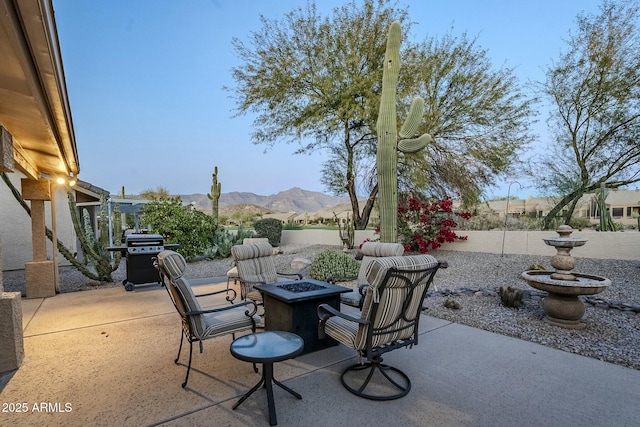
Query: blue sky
x=145, y=81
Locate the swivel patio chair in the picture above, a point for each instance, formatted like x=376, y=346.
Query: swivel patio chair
x=256, y=265
x=198, y=324
x=370, y=251
x=389, y=320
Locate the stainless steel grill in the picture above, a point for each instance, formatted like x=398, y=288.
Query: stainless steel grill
x=139, y=250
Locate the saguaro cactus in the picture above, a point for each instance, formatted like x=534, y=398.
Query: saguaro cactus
x=214, y=196
x=389, y=141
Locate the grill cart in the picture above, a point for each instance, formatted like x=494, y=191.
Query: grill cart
x=139, y=250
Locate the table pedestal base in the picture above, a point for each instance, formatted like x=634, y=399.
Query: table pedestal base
x=267, y=380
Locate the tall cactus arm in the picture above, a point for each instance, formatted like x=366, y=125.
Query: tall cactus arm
x=408, y=143
x=414, y=145
x=410, y=126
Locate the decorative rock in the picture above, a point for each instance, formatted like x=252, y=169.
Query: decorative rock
x=300, y=263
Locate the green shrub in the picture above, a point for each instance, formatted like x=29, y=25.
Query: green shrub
x=189, y=228
x=290, y=225
x=331, y=263
x=578, y=223
x=270, y=228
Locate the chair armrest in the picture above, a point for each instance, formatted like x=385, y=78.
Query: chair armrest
x=253, y=311
x=325, y=312
x=228, y=298
x=297, y=275
x=363, y=289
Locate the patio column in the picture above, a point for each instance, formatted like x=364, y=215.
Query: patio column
x=40, y=278
x=11, y=340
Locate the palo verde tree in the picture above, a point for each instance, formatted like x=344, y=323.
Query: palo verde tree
x=478, y=115
x=594, y=89
x=316, y=81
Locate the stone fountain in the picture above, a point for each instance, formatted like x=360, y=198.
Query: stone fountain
x=562, y=305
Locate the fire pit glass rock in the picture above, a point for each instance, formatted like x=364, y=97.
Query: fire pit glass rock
x=562, y=306
x=301, y=287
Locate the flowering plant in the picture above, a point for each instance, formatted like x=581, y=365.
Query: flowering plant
x=426, y=226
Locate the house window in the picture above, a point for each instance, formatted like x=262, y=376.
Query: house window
x=633, y=210
x=617, y=212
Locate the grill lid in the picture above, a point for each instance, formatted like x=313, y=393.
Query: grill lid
x=133, y=240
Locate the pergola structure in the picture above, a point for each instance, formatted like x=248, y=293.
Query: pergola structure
x=36, y=139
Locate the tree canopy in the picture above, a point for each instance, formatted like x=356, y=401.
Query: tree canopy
x=316, y=81
x=594, y=90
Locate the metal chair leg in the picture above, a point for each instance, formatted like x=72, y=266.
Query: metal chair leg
x=186, y=378
x=179, y=348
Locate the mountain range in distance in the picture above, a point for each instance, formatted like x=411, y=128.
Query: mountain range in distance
x=292, y=200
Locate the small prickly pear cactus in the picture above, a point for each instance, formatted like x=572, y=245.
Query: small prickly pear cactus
x=214, y=196
x=389, y=141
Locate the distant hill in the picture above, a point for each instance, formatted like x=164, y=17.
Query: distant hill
x=293, y=200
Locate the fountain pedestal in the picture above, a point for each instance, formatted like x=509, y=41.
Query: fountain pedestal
x=562, y=306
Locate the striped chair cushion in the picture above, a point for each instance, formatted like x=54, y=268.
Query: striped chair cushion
x=391, y=302
x=191, y=304
x=172, y=263
x=372, y=250
x=234, y=320
x=255, y=262
x=392, y=299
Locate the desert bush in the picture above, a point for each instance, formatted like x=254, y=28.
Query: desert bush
x=331, y=263
x=290, y=225
x=580, y=223
x=270, y=228
x=189, y=228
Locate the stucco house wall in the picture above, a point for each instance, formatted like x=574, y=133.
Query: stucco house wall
x=15, y=228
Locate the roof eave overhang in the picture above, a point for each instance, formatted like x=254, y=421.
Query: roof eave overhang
x=34, y=104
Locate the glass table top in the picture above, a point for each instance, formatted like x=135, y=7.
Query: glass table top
x=267, y=346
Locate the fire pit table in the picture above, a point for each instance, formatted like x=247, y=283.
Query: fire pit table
x=292, y=306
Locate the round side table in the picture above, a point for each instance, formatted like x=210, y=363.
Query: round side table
x=266, y=348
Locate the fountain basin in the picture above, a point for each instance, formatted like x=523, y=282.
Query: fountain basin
x=562, y=306
x=565, y=242
x=585, y=284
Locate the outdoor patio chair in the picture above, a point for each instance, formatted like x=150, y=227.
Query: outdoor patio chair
x=232, y=274
x=389, y=320
x=370, y=251
x=256, y=265
x=198, y=324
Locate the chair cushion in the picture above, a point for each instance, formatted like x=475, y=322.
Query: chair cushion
x=255, y=263
x=233, y=272
x=393, y=298
x=234, y=320
x=190, y=303
x=351, y=298
x=342, y=330
x=372, y=250
x=172, y=263
x=254, y=250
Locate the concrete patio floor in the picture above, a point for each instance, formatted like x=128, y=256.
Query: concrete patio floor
x=105, y=358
